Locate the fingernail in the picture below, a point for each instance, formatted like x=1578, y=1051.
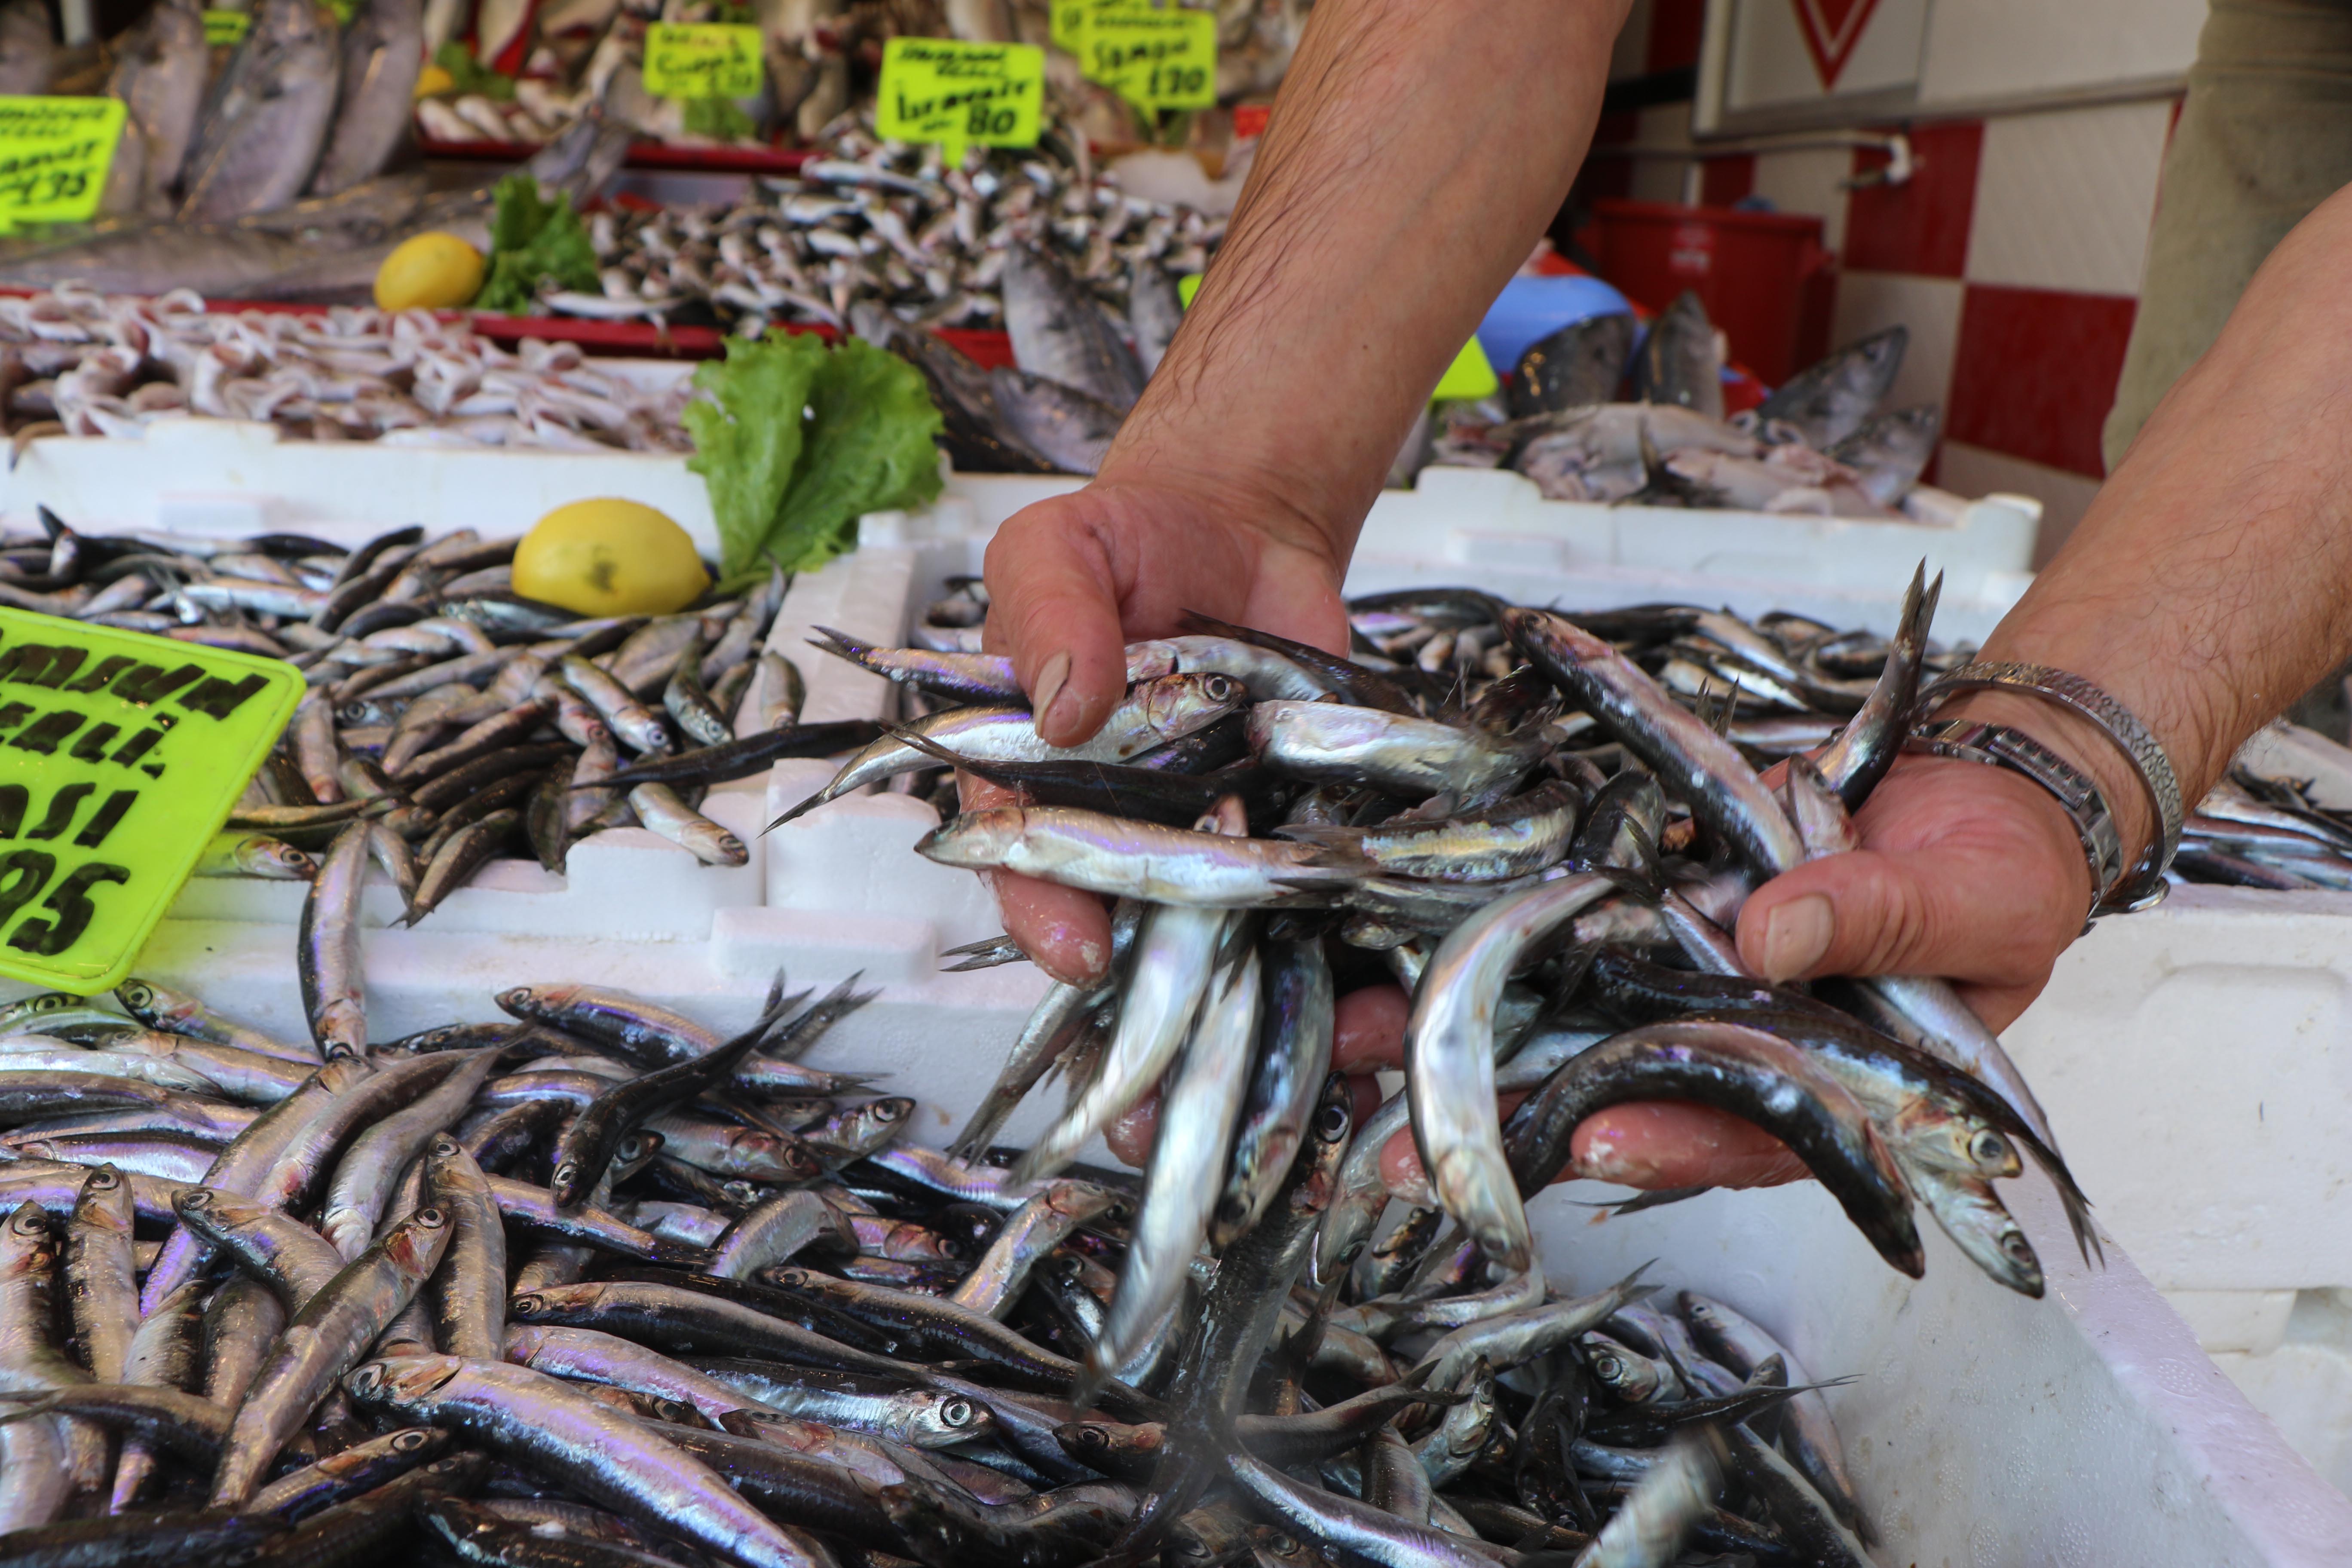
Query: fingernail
x=1047, y=692
x=1796, y=935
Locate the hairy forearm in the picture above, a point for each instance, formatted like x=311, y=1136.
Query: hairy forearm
x=1415, y=155
x=2210, y=582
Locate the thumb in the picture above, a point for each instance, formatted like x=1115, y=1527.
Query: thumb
x=1053, y=607
x=1962, y=913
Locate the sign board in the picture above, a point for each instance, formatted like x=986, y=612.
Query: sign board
x=702, y=59
x=1155, y=57
x=957, y=93
x=54, y=154
x=226, y=30
x=121, y=755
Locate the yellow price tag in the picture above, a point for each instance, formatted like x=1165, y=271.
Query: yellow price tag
x=955, y=93
x=120, y=757
x=54, y=153
x=1153, y=59
x=702, y=59
x=226, y=30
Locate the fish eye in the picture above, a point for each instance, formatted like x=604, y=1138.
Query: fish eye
x=1608, y=1368
x=1989, y=1148
x=444, y=1146
x=956, y=1412
x=2014, y=1246
x=528, y=1304
x=102, y=1180
x=410, y=1441
x=430, y=1218
x=1332, y=1122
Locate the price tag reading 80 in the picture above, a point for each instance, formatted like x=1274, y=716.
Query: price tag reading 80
x=1163, y=58
x=955, y=93
x=702, y=59
x=120, y=757
x=54, y=153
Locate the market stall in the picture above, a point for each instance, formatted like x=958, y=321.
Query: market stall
x=505, y=688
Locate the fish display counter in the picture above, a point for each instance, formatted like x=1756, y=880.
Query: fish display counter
x=1922, y=1405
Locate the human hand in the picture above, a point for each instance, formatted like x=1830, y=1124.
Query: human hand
x=1073, y=579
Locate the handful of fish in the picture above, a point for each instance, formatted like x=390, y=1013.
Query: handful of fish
x=1542, y=828
x=77, y=362
x=592, y=1286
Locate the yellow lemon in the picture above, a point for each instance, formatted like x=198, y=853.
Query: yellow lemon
x=609, y=557
x=434, y=79
x=436, y=271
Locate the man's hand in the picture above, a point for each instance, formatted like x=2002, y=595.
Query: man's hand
x=1072, y=580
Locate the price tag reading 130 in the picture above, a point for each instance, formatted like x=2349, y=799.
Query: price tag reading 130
x=54, y=153
x=954, y=93
x=1153, y=59
x=120, y=757
x=702, y=59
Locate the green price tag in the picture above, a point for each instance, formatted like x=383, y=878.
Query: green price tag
x=54, y=153
x=702, y=59
x=1469, y=376
x=120, y=757
x=955, y=93
x=226, y=30
x=1067, y=20
x=1154, y=60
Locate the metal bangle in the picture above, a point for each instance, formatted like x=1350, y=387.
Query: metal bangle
x=2145, y=884
x=1999, y=746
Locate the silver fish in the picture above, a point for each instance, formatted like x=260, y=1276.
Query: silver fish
x=268, y=117
x=383, y=52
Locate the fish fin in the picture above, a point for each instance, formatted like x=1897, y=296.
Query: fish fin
x=1329, y=835
x=841, y=645
x=2070, y=1195
x=811, y=803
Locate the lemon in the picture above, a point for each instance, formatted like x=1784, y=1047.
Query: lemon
x=436, y=271
x=434, y=79
x=609, y=557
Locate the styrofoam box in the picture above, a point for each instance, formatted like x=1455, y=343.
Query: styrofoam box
x=210, y=475
x=1983, y=1429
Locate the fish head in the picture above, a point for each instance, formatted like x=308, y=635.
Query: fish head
x=30, y=1243
x=976, y=839
x=1314, y=1180
x=1973, y=1216
x=397, y=1382
x=137, y=997
x=551, y=1303
x=417, y=1243
x=1945, y=1138
x=1176, y=705
x=940, y=1415
x=1630, y=1376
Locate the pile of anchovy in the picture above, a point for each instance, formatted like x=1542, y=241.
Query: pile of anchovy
x=594, y=1287
x=77, y=363
x=449, y=719
x=891, y=224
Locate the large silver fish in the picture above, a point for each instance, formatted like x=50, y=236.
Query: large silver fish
x=269, y=116
x=382, y=51
x=160, y=70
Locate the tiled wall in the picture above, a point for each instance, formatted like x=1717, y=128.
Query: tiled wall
x=2014, y=257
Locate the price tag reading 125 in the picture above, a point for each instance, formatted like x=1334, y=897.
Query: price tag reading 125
x=54, y=153
x=120, y=757
x=702, y=59
x=1154, y=60
x=952, y=92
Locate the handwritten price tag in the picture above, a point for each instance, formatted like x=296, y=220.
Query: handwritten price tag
x=226, y=29
x=702, y=59
x=120, y=757
x=1153, y=59
x=955, y=93
x=54, y=153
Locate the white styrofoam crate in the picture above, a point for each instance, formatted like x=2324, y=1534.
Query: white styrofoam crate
x=1983, y=1429
x=212, y=476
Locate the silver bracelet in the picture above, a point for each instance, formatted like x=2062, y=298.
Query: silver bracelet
x=1999, y=746
x=2144, y=884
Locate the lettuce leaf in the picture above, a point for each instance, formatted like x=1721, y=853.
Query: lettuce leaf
x=869, y=448
x=748, y=428
x=794, y=441
x=531, y=240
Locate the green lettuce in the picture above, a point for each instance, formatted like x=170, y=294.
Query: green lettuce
x=468, y=74
x=795, y=441
x=534, y=241
x=748, y=433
